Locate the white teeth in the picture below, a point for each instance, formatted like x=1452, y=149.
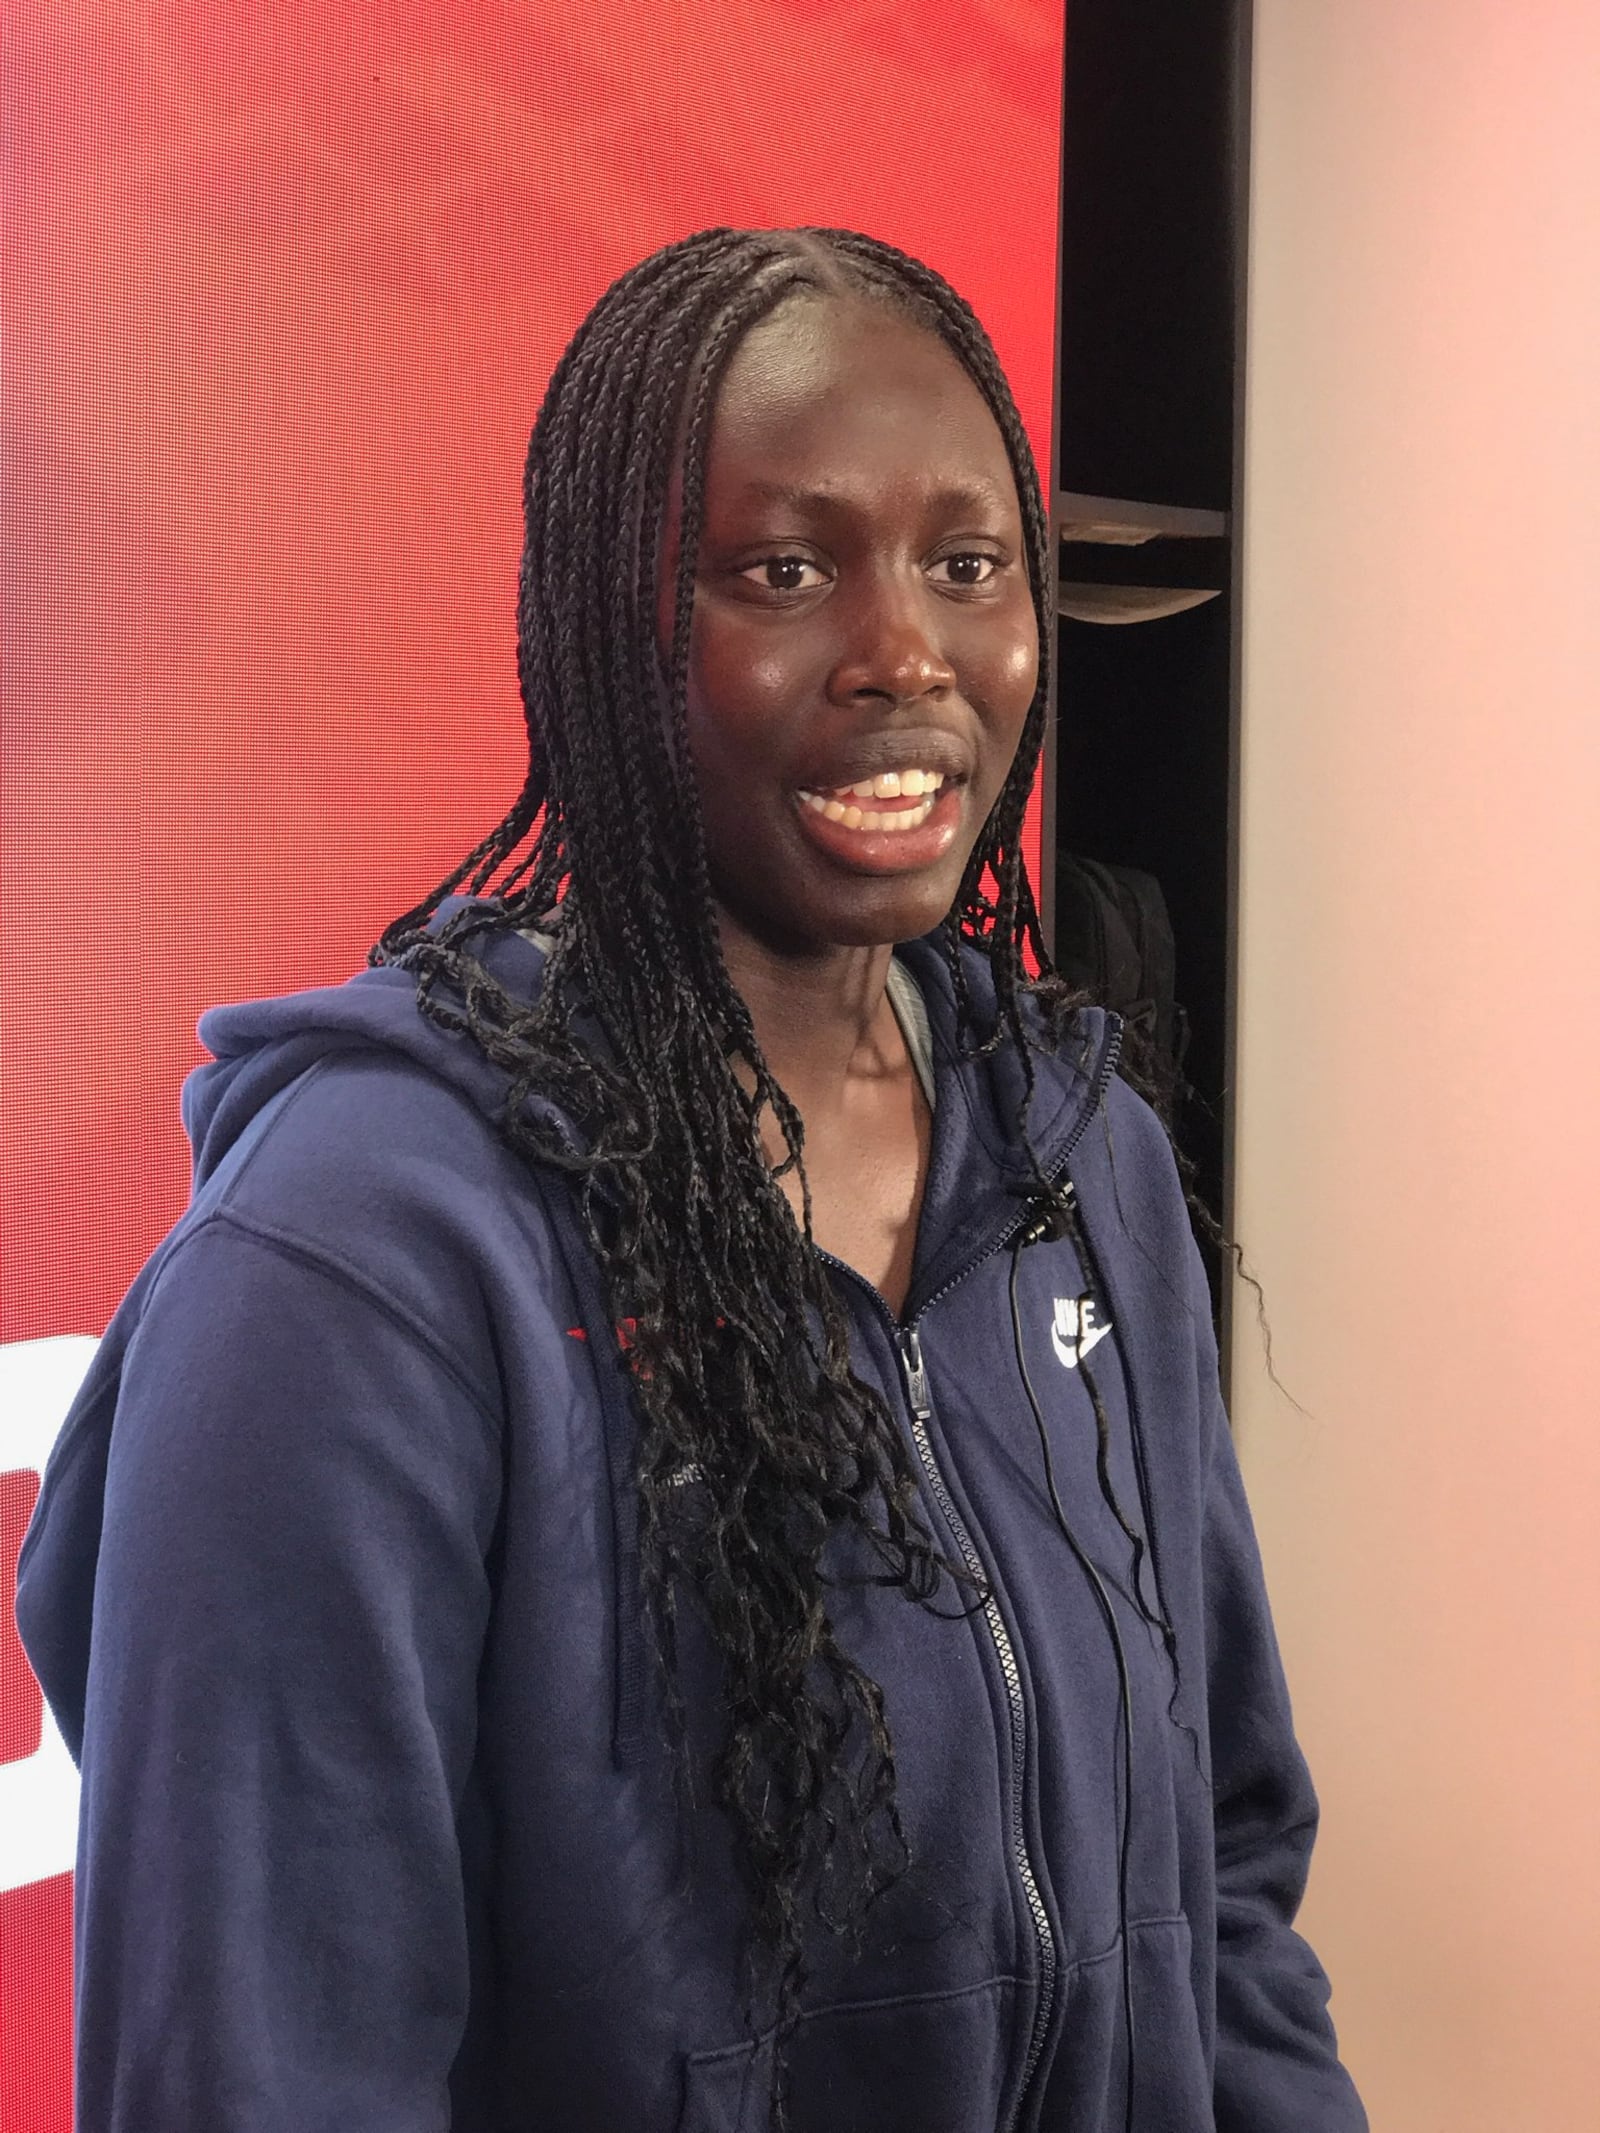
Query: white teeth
x=900, y=818
x=869, y=818
x=896, y=785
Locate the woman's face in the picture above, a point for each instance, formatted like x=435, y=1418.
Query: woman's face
x=862, y=613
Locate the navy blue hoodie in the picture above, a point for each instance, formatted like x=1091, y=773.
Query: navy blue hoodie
x=333, y=1589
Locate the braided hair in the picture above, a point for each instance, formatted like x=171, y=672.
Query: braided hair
x=739, y=1346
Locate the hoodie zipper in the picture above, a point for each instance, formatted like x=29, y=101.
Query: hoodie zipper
x=921, y=1409
x=908, y=1343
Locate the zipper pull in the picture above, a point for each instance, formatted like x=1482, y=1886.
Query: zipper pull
x=916, y=1373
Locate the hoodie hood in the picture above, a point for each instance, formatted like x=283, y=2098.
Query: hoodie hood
x=260, y=1047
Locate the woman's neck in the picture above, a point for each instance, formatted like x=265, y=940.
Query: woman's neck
x=822, y=1018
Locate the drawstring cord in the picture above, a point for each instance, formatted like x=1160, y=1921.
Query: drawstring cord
x=1053, y=1220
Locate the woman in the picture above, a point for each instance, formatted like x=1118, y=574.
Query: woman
x=659, y=1547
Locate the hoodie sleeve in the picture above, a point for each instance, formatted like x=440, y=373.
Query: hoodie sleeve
x=1277, y=2067
x=289, y=1612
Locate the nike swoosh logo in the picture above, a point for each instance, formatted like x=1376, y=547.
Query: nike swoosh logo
x=1076, y=1329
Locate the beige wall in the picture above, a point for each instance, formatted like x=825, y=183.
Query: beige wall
x=1419, y=1072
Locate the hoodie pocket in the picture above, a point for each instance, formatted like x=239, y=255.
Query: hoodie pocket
x=936, y=2063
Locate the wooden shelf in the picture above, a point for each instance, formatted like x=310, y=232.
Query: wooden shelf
x=1122, y=604
x=1121, y=561
x=1119, y=522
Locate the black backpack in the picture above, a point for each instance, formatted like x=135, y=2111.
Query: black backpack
x=1114, y=941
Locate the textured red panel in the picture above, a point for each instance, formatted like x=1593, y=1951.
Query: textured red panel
x=21, y=1705
x=282, y=286
x=36, y=2007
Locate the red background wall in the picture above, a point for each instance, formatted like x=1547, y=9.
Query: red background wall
x=282, y=288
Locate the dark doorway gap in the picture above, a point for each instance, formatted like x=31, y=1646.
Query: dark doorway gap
x=1142, y=770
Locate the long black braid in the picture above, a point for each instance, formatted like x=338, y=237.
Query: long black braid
x=739, y=1347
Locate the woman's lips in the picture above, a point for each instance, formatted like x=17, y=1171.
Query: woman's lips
x=852, y=828
x=891, y=800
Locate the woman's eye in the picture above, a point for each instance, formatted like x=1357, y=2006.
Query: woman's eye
x=968, y=569
x=785, y=573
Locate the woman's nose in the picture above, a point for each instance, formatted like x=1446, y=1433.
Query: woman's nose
x=892, y=652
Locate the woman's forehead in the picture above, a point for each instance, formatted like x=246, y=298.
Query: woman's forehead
x=827, y=384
